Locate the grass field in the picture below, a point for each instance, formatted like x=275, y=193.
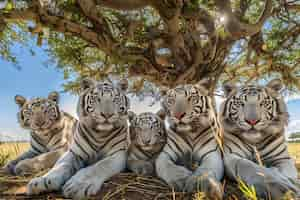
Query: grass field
x=119, y=187
x=10, y=151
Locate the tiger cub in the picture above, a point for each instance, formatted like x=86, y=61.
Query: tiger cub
x=147, y=138
x=99, y=147
x=191, y=159
x=51, y=132
x=253, y=119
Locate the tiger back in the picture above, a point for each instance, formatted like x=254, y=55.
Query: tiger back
x=254, y=119
x=191, y=158
x=51, y=132
x=99, y=147
x=147, y=138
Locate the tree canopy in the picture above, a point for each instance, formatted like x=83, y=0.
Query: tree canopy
x=165, y=42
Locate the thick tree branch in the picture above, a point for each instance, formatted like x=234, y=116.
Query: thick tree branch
x=235, y=27
x=124, y=5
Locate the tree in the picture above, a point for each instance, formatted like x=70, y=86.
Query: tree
x=295, y=136
x=166, y=42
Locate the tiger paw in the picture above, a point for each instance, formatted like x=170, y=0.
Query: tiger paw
x=43, y=184
x=143, y=169
x=178, y=178
x=9, y=168
x=82, y=186
x=24, y=167
x=209, y=186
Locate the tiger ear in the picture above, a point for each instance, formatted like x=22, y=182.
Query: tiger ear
x=275, y=84
x=123, y=84
x=228, y=87
x=131, y=116
x=86, y=84
x=161, y=114
x=20, y=100
x=205, y=83
x=54, y=96
x=163, y=90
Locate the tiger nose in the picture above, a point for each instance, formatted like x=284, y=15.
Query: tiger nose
x=252, y=122
x=179, y=115
x=39, y=122
x=107, y=115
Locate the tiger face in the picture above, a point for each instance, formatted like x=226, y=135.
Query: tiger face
x=188, y=106
x=255, y=111
x=147, y=131
x=38, y=114
x=101, y=105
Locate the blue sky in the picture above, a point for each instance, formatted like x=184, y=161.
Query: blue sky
x=35, y=79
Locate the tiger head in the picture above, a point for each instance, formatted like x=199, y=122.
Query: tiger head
x=39, y=114
x=147, y=131
x=189, y=106
x=102, y=106
x=254, y=112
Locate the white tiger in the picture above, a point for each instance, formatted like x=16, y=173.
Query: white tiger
x=99, y=148
x=191, y=160
x=51, y=133
x=147, y=138
x=253, y=119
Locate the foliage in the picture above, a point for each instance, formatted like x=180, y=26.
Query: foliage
x=295, y=135
x=163, y=42
x=248, y=191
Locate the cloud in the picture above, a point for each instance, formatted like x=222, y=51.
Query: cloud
x=293, y=126
x=292, y=97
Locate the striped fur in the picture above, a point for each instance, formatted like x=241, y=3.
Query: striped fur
x=50, y=134
x=147, y=138
x=191, y=159
x=99, y=147
x=253, y=119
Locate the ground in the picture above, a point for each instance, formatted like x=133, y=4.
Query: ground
x=123, y=186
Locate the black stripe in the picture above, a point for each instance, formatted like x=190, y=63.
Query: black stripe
x=35, y=138
x=35, y=149
x=207, y=141
x=203, y=156
x=275, y=161
x=116, y=143
x=177, y=146
x=116, y=151
x=238, y=145
x=202, y=133
x=266, y=141
x=111, y=137
x=82, y=149
x=57, y=141
x=86, y=138
x=274, y=156
x=76, y=155
x=171, y=158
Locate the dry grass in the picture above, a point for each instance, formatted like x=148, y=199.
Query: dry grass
x=123, y=186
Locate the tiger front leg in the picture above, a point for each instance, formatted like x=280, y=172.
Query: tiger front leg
x=141, y=167
x=88, y=181
x=64, y=168
x=38, y=163
x=267, y=182
x=173, y=174
x=207, y=177
x=11, y=165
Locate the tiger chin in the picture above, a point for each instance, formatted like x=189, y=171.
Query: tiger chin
x=147, y=138
x=253, y=119
x=99, y=147
x=191, y=160
x=50, y=132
